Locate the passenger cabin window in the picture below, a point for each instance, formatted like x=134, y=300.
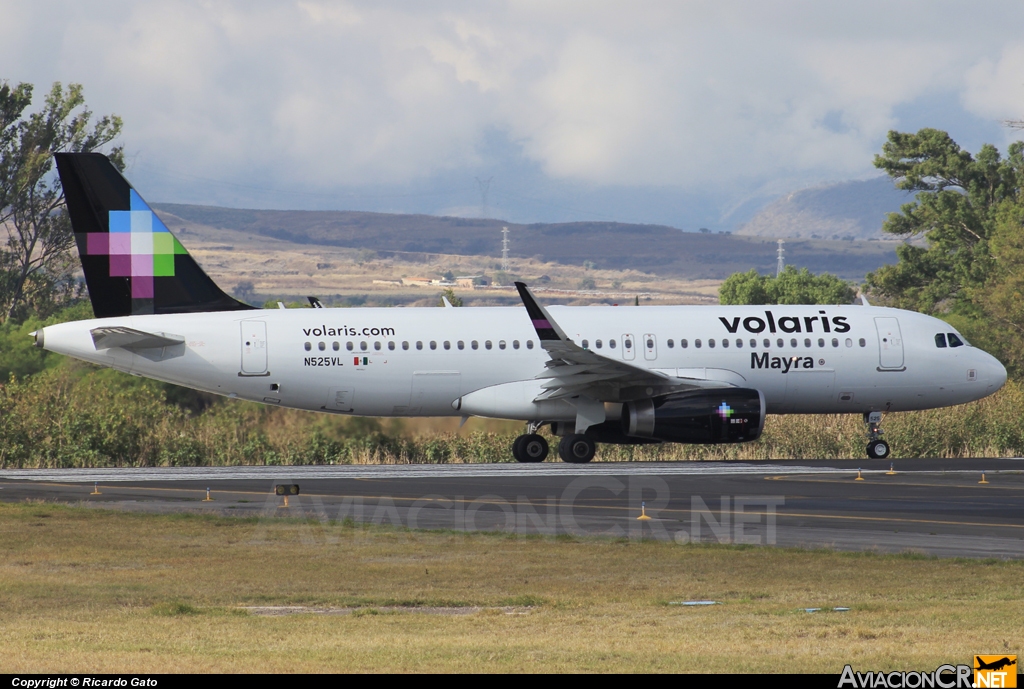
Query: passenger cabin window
x=585, y=344
x=767, y=343
x=474, y=344
x=376, y=345
x=725, y=343
x=849, y=342
x=391, y=346
x=487, y=344
x=940, y=340
x=954, y=341
x=363, y=346
x=336, y=346
x=515, y=344
x=684, y=343
x=835, y=342
x=322, y=346
x=433, y=344
x=308, y=346
x=862, y=342
x=350, y=346
x=597, y=344
x=447, y=344
x=501, y=344
x=792, y=342
x=405, y=344
x=807, y=342
x=419, y=344
x=670, y=343
x=739, y=342
x=529, y=344
x=627, y=343
x=780, y=342
x=696, y=343
x=460, y=344
x=611, y=344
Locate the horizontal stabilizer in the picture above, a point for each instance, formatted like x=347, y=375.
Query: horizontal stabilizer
x=130, y=339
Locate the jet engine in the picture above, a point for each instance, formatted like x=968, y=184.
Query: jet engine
x=728, y=415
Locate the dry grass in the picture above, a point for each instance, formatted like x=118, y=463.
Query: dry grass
x=100, y=591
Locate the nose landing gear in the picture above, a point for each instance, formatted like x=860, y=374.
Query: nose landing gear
x=877, y=448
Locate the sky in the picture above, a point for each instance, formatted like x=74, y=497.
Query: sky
x=690, y=114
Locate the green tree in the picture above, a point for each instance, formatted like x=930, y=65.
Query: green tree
x=792, y=286
x=449, y=293
x=37, y=260
x=955, y=211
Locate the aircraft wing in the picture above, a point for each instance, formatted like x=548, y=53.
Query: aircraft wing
x=131, y=339
x=572, y=370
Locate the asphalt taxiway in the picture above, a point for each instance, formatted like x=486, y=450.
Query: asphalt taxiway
x=931, y=506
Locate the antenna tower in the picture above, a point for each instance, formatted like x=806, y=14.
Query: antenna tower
x=504, y=249
x=782, y=259
x=485, y=185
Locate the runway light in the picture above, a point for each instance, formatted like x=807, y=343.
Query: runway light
x=286, y=489
x=983, y=478
x=207, y=498
x=859, y=477
x=891, y=472
x=96, y=489
x=643, y=513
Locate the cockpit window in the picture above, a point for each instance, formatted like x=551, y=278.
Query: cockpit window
x=940, y=340
x=954, y=340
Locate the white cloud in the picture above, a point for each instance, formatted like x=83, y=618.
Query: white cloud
x=995, y=87
x=323, y=95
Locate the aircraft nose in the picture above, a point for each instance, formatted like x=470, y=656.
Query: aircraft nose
x=996, y=372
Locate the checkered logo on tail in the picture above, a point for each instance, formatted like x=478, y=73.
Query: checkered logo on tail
x=139, y=246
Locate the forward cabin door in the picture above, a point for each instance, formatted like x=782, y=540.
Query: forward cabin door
x=254, y=349
x=890, y=344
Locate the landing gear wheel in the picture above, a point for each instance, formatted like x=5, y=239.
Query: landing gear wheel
x=576, y=449
x=532, y=448
x=517, y=448
x=878, y=449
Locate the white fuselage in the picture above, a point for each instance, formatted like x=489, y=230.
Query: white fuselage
x=419, y=361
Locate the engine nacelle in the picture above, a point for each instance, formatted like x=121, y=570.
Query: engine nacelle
x=729, y=415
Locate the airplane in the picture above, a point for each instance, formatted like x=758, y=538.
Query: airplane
x=995, y=664
x=594, y=374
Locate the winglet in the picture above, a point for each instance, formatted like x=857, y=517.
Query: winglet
x=547, y=329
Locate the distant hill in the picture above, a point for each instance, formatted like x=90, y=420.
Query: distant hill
x=651, y=248
x=849, y=210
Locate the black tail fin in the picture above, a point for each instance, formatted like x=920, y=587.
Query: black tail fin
x=133, y=264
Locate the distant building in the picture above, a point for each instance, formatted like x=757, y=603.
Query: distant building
x=416, y=282
x=470, y=281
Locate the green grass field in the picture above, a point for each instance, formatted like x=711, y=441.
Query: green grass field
x=105, y=591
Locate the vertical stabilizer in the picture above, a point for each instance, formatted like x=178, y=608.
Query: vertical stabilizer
x=133, y=264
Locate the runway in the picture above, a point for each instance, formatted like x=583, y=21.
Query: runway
x=928, y=506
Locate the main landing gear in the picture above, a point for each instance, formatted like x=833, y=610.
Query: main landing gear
x=877, y=448
x=530, y=447
x=574, y=448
